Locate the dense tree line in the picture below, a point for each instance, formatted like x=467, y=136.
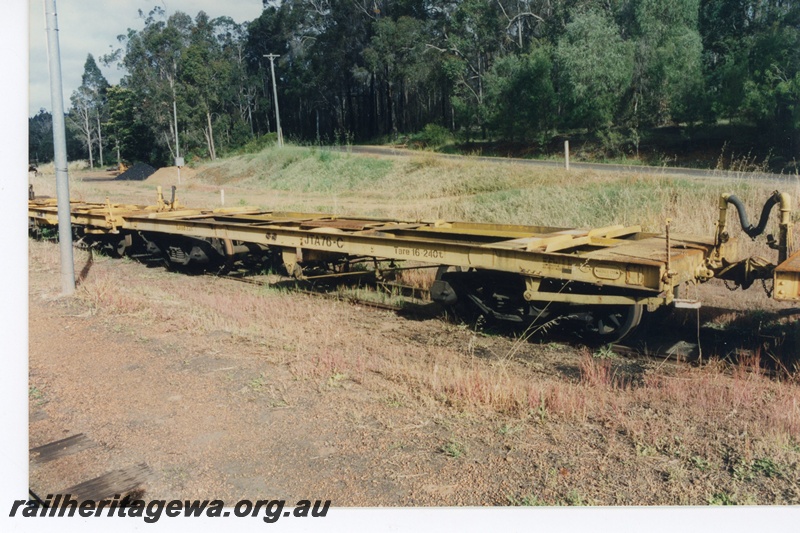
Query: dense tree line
x=514, y=69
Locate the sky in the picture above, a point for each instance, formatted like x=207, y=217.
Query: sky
x=92, y=26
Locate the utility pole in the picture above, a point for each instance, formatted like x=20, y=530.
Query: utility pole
x=272, y=58
x=175, y=116
x=178, y=158
x=60, y=151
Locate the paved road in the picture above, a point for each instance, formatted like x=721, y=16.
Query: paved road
x=640, y=169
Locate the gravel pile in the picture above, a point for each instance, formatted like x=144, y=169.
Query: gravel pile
x=138, y=172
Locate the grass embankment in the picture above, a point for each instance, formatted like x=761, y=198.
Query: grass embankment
x=428, y=187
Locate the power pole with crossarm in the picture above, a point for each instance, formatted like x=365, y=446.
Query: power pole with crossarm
x=272, y=58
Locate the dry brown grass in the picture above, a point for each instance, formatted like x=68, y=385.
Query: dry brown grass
x=49, y=169
x=291, y=329
x=418, y=278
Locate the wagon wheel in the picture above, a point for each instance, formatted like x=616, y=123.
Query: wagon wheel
x=463, y=310
x=482, y=296
x=610, y=323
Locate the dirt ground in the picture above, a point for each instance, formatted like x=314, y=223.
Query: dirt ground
x=219, y=414
x=231, y=391
x=215, y=416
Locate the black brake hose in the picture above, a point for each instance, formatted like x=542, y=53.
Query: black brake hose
x=749, y=229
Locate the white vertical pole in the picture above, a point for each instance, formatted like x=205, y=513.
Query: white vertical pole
x=272, y=58
x=222, y=197
x=178, y=162
x=566, y=155
x=175, y=116
x=60, y=151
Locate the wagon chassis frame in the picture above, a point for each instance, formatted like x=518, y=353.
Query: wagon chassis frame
x=610, y=266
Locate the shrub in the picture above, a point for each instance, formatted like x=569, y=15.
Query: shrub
x=257, y=144
x=431, y=136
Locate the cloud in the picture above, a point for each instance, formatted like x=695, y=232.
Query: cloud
x=92, y=26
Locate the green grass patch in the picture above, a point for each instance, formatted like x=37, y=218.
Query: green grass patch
x=302, y=169
x=453, y=449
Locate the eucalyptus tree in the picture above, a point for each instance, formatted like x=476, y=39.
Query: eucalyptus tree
x=89, y=107
x=396, y=57
x=203, y=74
x=668, y=77
x=771, y=92
x=239, y=88
x=127, y=125
x=520, y=96
x=320, y=72
x=595, y=66
x=80, y=119
x=472, y=37
x=152, y=58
